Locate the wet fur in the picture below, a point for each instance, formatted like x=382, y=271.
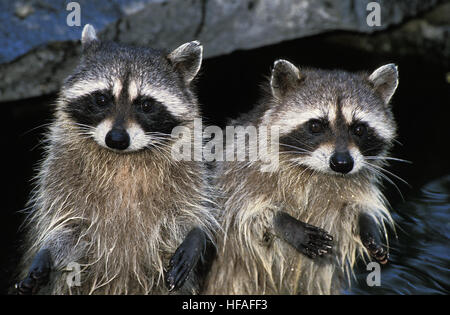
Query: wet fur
x=121, y=216
x=251, y=258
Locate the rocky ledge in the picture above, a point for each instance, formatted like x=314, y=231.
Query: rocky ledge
x=38, y=48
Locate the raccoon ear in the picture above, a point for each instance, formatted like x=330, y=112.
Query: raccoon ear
x=187, y=59
x=385, y=81
x=88, y=35
x=284, y=77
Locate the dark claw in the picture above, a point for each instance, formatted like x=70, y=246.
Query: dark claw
x=376, y=251
x=38, y=275
x=176, y=257
x=307, y=239
x=319, y=240
x=185, y=259
x=310, y=253
x=370, y=238
x=25, y=287
x=179, y=271
x=319, y=233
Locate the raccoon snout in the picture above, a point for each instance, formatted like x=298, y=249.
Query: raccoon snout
x=118, y=139
x=341, y=162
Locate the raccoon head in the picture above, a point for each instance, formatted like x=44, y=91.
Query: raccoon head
x=333, y=122
x=129, y=98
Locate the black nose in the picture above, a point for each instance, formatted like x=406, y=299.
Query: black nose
x=341, y=162
x=117, y=139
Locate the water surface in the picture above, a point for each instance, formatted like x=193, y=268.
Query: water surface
x=420, y=255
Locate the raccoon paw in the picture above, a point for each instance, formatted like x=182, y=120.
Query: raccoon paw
x=376, y=250
x=317, y=241
x=38, y=275
x=305, y=238
x=185, y=259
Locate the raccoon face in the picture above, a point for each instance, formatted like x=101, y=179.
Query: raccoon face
x=333, y=121
x=128, y=98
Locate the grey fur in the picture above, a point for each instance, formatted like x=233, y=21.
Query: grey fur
x=283, y=72
x=385, y=81
x=88, y=34
x=188, y=58
x=251, y=258
x=119, y=215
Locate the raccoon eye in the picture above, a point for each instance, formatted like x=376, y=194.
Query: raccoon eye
x=316, y=126
x=101, y=100
x=359, y=130
x=145, y=105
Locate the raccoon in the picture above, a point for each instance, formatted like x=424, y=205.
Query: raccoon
x=335, y=131
x=110, y=201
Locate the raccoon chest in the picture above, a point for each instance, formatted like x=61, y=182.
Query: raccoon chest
x=122, y=200
x=316, y=202
x=329, y=212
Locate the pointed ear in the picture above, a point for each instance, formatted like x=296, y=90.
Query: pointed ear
x=88, y=36
x=187, y=60
x=285, y=76
x=384, y=81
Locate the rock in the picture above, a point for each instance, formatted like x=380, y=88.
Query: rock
x=38, y=49
x=23, y=10
x=427, y=35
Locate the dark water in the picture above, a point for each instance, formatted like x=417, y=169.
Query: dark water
x=420, y=255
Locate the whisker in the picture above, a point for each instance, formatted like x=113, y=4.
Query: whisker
x=41, y=142
x=384, y=176
x=294, y=152
x=37, y=127
x=390, y=173
x=294, y=147
x=83, y=125
x=398, y=142
x=155, y=133
x=300, y=142
x=158, y=138
x=387, y=158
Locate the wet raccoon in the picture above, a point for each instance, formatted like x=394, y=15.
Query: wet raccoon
x=335, y=131
x=109, y=196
